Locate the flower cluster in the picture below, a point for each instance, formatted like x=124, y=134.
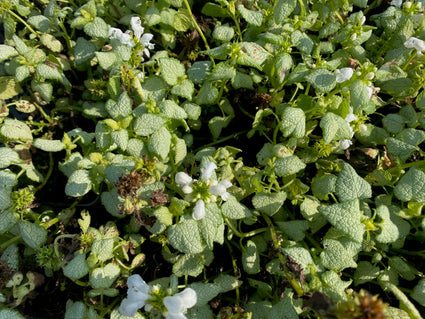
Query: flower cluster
x=415, y=43
x=127, y=38
x=204, y=190
x=140, y=295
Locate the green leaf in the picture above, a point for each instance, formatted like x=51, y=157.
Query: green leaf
x=399, y=148
x=339, y=253
x=419, y=292
x=160, y=142
x=179, y=150
x=205, y=292
x=227, y=282
x=217, y=124
x=7, y=52
x=395, y=313
x=185, y=237
x=295, y=229
x=268, y=203
x=346, y=217
x=334, y=128
x=14, y=130
x=77, y=268
x=411, y=186
x=199, y=71
x=322, y=80
x=103, y=249
x=211, y=227
x=289, y=165
x=112, y=202
x=184, y=89
x=234, y=210
x=8, y=218
x=8, y=157
x=10, y=314
x=120, y=138
x=45, y=89
x=359, y=95
x=293, y=122
x=104, y=277
x=51, y=42
x=283, y=63
x=223, y=33
x=40, y=22
x=83, y=51
x=251, y=258
x=106, y=60
x=48, y=145
x=322, y=186
x=301, y=256
x=283, y=9
x=242, y=80
x=412, y=136
x=32, y=234
x=405, y=270
x=283, y=309
x=152, y=16
x=393, y=123
x=121, y=108
x=334, y=286
x=252, y=54
x=305, y=44
x=214, y=10
x=392, y=226
x=208, y=94
x=172, y=110
x=350, y=186
x=78, y=184
x=148, y=123
x=188, y=265
x=171, y=70
x=254, y=18
x=98, y=28
x=8, y=87
x=365, y=272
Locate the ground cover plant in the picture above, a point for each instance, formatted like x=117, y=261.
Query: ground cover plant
x=212, y=159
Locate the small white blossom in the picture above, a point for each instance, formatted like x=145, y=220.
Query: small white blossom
x=207, y=171
x=362, y=20
x=362, y=128
x=350, y=116
x=124, y=38
x=415, y=43
x=199, y=210
x=369, y=91
x=396, y=3
x=137, y=295
x=344, y=144
x=183, y=179
x=221, y=189
x=178, y=304
x=344, y=74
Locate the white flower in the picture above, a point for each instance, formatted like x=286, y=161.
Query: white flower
x=178, y=304
x=199, y=210
x=183, y=179
x=124, y=38
x=415, y=43
x=137, y=295
x=350, y=116
x=207, y=171
x=344, y=144
x=344, y=74
x=362, y=128
x=221, y=189
x=396, y=3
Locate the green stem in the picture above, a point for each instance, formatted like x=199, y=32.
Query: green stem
x=55, y=243
x=295, y=285
x=49, y=173
x=201, y=34
x=224, y=139
x=48, y=118
x=243, y=235
x=23, y=22
x=408, y=305
x=235, y=272
x=10, y=242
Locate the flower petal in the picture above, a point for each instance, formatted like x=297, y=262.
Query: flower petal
x=344, y=74
x=199, y=210
x=344, y=144
x=183, y=179
x=129, y=308
x=136, y=25
x=207, y=171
